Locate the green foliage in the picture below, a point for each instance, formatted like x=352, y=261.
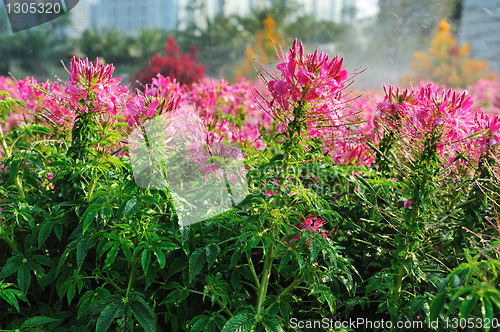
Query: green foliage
x=94, y=251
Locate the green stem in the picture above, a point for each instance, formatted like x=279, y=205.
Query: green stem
x=133, y=275
x=397, y=292
x=287, y=290
x=399, y=282
x=252, y=269
x=109, y=281
x=290, y=288
x=261, y=295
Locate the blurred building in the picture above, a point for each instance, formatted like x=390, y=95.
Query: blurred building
x=480, y=27
x=132, y=15
x=81, y=17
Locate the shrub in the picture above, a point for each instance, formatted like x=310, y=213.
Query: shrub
x=182, y=67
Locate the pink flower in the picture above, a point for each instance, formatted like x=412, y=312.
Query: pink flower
x=90, y=74
x=148, y=104
x=313, y=78
x=408, y=203
x=313, y=224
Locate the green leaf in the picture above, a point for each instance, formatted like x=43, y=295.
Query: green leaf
x=127, y=252
x=44, y=232
x=235, y=257
x=314, y=247
x=146, y=259
x=132, y=205
x=14, y=167
x=144, y=315
x=179, y=264
x=24, y=277
x=37, y=128
x=9, y=295
x=99, y=306
x=272, y=324
x=437, y=305
x=26, y=216
x=71, y=292
x=85, y=303
x=110, y=257
x=88, y=220
x=37, y=321
x=212, y=252
x=199, y=324
x=330, y=299
x=468, y=306
x=486, y=309
x=81, y=249
x=374, y=283
x=240, y=323
x=11, y=266
x=196, y=262
x=107, y=316
x=284, y=260
x=160, y=256
x=252, y=243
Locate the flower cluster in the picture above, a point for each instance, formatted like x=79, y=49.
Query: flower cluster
x=418, y=114
x=313, y=224
x=92, y=88
x=150, y=104
x=307, y=86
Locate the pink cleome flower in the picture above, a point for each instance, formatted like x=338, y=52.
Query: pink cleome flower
x=313, y=224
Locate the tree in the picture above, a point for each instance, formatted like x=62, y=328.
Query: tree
x=446, y=62
x=35, y=49
x=110, y=45
x=263, y=48
x=220, y=45
x=182, y=67
x=406, y=25
x=309, y=30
